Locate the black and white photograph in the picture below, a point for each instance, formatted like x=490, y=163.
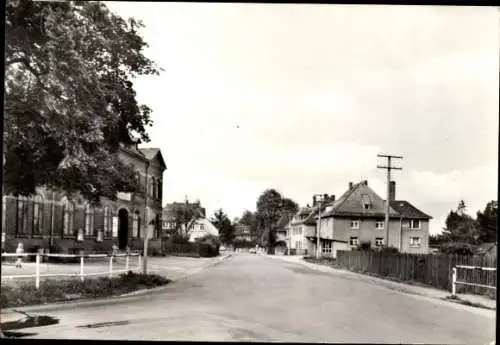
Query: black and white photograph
x=250, y=172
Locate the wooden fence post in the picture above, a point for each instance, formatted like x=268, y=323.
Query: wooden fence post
x=82, y=274
x=111, y=266
x=139, y=262
x=454, y=282
x=37, y=271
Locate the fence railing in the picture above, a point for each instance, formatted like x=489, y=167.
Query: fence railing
x=489, y=284
x=82, y=274
x=428, y=269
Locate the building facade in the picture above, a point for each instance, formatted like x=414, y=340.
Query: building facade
x=50, y=220
x=359, y=215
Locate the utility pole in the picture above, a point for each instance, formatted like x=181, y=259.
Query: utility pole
x=387, y=201
x=319, y=225
x=146, y=226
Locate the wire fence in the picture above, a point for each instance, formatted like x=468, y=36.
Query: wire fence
x=88, y=265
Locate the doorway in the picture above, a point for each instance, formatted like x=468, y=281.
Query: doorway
x=122, y=229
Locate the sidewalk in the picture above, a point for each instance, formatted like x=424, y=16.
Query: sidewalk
x=397, y=286
x=172, y=267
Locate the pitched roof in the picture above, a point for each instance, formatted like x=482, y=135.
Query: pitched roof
x=407, y=210
x=351, y=203
x=151, y=152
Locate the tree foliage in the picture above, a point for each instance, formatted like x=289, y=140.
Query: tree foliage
x=460, y=227
x=271, y=205
x=487, y=222
x=226, y=229
x=183, y=216
x=69, y=97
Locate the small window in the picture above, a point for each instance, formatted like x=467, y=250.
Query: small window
x=354, y=224
x=202, y=227
x=22, y=215
x=68, y=217
x=415, y=242
x=353, y=241
x=135, y=224
x=379, y=241
x=365, y=199
x=415, y=224
x=379, y=224
x=327, y=247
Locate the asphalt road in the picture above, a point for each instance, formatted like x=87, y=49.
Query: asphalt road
x=255, y=298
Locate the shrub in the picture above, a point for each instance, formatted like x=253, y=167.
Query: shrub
x=365, y=246
x=61, y=290
x=457, y=248
x=389, y=250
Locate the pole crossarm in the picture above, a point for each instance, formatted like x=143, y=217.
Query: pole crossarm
x=391, y=168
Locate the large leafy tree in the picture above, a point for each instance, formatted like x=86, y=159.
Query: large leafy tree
x=487, y=222
x=182, y=216
x=226, y=229
x=460, y=227
x=69, y=97
x=271, y=205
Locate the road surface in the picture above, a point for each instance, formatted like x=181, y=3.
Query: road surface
x=255, y=298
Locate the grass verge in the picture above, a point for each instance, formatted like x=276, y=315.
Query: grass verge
x=65, y=290
x=459, y=300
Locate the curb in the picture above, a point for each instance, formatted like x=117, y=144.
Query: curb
x=92, y=301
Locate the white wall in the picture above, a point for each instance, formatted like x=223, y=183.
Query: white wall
x=202, y=227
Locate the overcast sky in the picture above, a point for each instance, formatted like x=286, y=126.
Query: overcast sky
x=302, y=98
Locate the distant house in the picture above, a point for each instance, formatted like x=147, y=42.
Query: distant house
x=359, y=215
x=243, y=233
x=197, y=228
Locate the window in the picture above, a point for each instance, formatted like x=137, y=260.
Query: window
x=135, y=224
x=107, y=222
x=114, y=226
x=151, y=186
x=22, y=216
x=354, y=224
x=298, y=245
x=68, y=217
x=379, y=224
x=415, y=224
x=202, y=227
x=353, y=241
x=159, y=193
x=415, y=242
x=327, y=247
x=406, y=224
x=89, y=220
x=379, y=241
x=37, y=215
x=365, y=199
x=155, y=189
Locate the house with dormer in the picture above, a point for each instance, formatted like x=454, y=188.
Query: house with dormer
x=358, y=216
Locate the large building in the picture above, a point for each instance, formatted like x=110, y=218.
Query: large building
x=357, y=217
x=50, y=220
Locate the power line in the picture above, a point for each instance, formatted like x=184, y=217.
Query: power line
x=388, y=167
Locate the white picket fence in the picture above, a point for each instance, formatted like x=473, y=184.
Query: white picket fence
x=82, y=273
x=490, y=283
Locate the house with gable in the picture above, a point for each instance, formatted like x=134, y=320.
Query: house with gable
x=358, y=216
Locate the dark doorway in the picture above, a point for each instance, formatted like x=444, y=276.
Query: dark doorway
x=122, y=229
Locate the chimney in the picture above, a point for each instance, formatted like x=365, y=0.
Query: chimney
x=366, y=182
x=350, y=185
x=332, y=198
x=325, y=197
x=392, y=191
x=314, y=200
